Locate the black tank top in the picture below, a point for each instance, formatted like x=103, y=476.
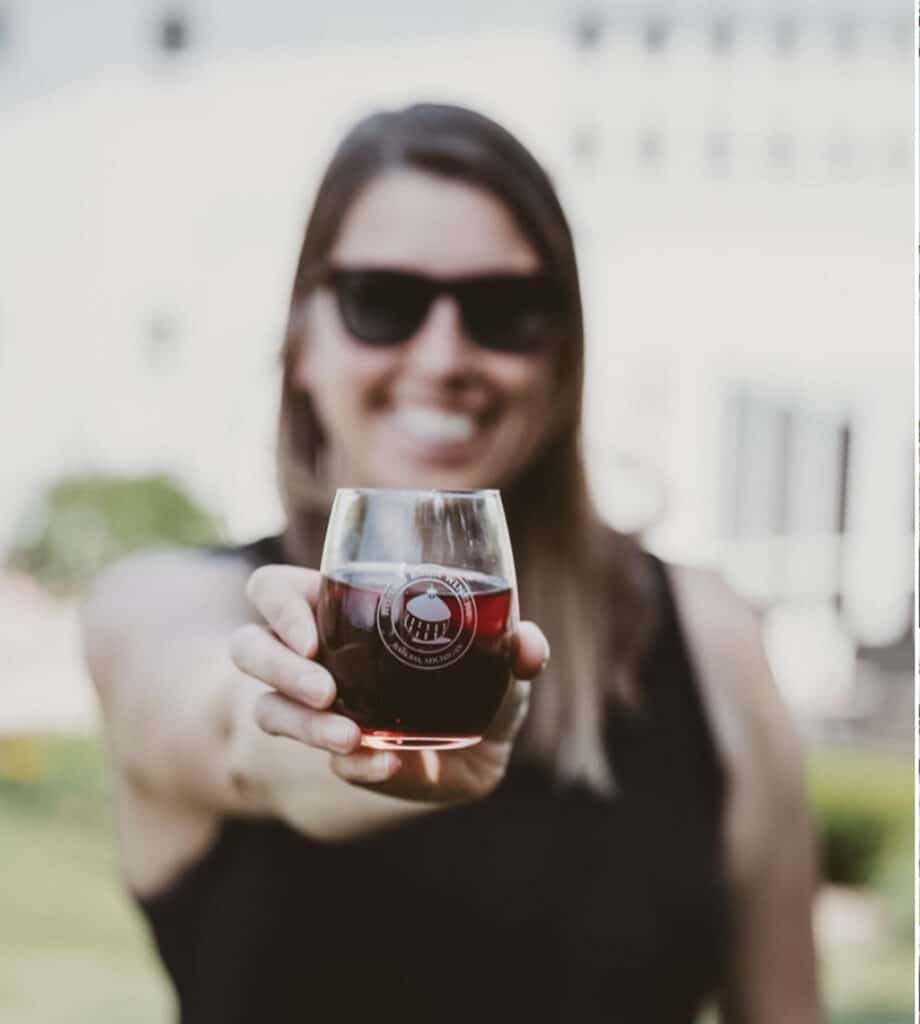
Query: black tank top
x=535, y=905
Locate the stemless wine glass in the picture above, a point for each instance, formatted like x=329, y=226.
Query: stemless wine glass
x=417, y=609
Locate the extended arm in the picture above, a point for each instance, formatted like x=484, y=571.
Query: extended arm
x=192, y=738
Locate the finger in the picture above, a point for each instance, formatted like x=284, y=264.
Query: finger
x=531, y=651
x=512, y=712
x=285, y=596
x=256, y=651
x=366, y=767
x=280, y=716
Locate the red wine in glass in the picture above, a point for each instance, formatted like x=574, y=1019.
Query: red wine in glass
x=420, y=651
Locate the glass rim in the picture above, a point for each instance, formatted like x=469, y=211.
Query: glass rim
x=463, y=492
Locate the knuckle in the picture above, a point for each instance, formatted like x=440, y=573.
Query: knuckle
x=270, y=605
x=310, y=730
x=343, y=766
x=287, y=675
x=289, y=621
x=237, y=648
x=242, y=642
x=351, y=769
x=264, y=713
x=255, y=585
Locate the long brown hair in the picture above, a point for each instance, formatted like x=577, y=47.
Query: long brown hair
x=586, y=585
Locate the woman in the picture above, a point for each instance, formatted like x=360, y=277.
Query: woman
x=633, y=846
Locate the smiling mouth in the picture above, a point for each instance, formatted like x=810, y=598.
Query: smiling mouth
x=436, y=427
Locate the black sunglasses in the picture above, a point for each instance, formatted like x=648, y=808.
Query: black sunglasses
x=501, y=312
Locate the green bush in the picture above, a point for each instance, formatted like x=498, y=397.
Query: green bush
x=83, y=523
x=895, y=881
x=863, y=806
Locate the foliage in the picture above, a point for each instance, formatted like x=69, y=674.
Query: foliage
x=83, y=523
x=895, y=881
x=863, y=805
x=70, y=783
x=72, y=946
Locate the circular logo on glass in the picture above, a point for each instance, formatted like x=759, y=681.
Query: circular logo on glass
x=428, y=619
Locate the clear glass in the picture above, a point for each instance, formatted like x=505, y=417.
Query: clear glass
x=417, y=608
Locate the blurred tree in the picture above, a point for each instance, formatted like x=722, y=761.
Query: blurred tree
x=83, y=523
x=863, y=807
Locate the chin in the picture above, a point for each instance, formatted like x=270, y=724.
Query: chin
x=444, y=478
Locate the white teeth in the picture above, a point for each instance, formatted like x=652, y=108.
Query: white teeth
x=435, y=425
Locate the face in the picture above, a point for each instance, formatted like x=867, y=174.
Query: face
x=436, y=410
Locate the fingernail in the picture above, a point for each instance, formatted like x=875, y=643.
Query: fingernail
x=546, y=656
x=341, y=734
x=319, y=692
x=382, y=766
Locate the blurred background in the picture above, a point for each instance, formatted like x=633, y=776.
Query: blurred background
x=740, y=179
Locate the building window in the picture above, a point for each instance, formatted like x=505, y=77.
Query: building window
x=585, y=146
x=902, y=36
x=173, y=33
x=840, y=156
x=843, y=34
x=589, y=29
x=780, y=152
x=844, y=444
x=786, y=36
x=655, y=34
x=718, y=151
x=651, y=148
x=162, y=337
x=899, y=156
x=722, y=35
x=787, y=468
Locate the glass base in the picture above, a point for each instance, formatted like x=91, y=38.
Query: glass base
x=384, y=740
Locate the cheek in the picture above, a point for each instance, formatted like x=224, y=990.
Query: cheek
x=535, y=415
x=526, y=384
x=315, y=357
x=329, y=360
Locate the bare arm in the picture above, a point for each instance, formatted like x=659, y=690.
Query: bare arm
x=179, y=714
x=770, y=845
x=192, y=733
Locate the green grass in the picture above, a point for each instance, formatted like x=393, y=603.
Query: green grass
x=871, y=987
x=73, y=950
x=869, y=1017
x=72, y=947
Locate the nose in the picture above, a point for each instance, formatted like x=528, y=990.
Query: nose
x=440, y=347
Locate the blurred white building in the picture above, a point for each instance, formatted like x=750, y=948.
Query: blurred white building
x=740, y=179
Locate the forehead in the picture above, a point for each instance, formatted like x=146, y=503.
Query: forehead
x=418, y=221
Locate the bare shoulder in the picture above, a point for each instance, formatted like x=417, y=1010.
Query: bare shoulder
x=723, y=633
x=166, y=589
x=754, y=731
x=707, y=596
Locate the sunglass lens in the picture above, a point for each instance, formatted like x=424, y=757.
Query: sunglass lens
x=381, y=307
x=509, y=314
